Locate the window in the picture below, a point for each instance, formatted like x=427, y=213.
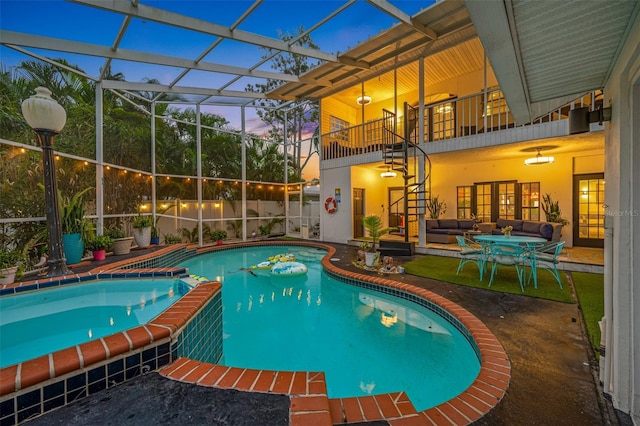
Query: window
x=530, y=200
x=444, y=121
x=464, y=202
x=507, y=200
x=336, y=125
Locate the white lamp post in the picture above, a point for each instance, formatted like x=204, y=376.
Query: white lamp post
x=47, y=118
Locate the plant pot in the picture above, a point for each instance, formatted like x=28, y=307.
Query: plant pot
x=142, y=236
x=155, y=240
x=219, y=242
x=122, y=245
x=8, y=275
x=99, y=254
x=73, y=245
x=372, y=258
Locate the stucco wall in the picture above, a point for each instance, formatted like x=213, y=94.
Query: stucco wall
x=621, y=375
x=336, y=227
x=555, y=179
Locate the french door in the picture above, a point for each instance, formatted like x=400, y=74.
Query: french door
x=588, y=210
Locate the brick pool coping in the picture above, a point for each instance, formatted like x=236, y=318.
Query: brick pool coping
x=307, y=390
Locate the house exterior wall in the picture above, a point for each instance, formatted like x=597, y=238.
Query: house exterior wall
x=555, y=179
x=621, y=372
x=336, y=227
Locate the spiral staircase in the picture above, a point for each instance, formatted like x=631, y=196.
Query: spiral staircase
x=402, y=154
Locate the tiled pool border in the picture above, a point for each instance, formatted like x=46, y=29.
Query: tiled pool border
x=45, y=383
x=483, y=394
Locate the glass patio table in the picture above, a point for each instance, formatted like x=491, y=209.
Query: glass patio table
x=530, y=242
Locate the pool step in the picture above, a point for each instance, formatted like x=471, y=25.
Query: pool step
x=307, y=390
x=388, y=407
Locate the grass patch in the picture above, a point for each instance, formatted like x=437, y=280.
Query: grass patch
x=590, y=290
x=506, y=280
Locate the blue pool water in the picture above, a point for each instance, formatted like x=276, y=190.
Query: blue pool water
x=37, y=323
x=366, y=342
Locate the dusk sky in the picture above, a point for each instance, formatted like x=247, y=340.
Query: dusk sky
x=77, y=22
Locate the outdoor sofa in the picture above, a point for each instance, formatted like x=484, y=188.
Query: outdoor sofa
x=444, y=231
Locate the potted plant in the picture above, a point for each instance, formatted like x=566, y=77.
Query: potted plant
x=552, y=210
x=11, y=263
x=172, y=239
x=362, y=251
x=74, y=226
x=373, y=224
x=121, y=242
x=99, y=245
x=218, y=235
x=142, y=230
x=155, y=238
x=435, y=207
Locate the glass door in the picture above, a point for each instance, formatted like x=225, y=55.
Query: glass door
x=588, y=210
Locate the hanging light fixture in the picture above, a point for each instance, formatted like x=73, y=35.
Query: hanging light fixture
x=363, y=100
x=538, y=159
x=388, y=173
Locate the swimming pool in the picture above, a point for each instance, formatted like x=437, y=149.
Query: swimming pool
x=40, y=322
x=365, y=341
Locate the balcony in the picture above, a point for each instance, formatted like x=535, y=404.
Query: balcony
x=471, y=116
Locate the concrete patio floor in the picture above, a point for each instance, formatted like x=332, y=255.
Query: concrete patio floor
x=554, y=374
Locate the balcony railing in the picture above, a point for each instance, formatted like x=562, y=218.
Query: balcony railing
x=454, y=118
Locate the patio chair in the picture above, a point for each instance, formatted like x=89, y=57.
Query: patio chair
x=471, y=251
x=509, y=255
x=546, y=257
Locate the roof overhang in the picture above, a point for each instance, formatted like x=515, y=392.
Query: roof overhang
x=436, y=29
x=547, y=53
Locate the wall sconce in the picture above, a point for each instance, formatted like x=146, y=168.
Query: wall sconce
x=363, y=100
x=539, y=159
x=388, y=173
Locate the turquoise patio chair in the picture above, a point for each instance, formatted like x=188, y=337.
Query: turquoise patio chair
x=546, y=257
x=510, y=255
x=471, y=251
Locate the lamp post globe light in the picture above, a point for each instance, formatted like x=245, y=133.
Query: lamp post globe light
x=47, y=118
